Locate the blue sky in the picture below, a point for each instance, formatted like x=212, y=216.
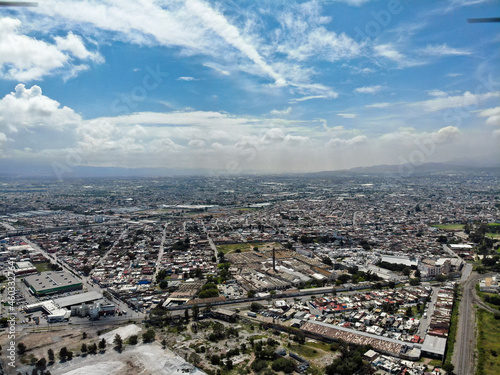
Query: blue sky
x=238, y=86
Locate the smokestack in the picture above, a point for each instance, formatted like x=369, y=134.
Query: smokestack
x=274, y=259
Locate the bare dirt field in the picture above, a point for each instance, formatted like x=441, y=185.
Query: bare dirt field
x=141, y=359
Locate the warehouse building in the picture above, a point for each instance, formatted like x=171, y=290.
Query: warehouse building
x=52, y=283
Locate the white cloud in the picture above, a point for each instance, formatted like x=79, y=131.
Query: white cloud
x=454, y=75
x=493, y=116
x=378, y=105
x=390, y=52
x=209, y=139
x=24, y=58
x=217, y=68
x=283, y=112
x=354, y=141
x=73, y=43
x=368, y=89
x=215, y=21
x=233, y=40
x=196, y=143
x=437, y=93
x=28, y=108
x=444, y=50
x=187, y=79
x=466, y=100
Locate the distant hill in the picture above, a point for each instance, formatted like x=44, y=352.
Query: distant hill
x=18, y=169
x=409, y=169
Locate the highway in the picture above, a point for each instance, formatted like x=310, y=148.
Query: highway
x=465, y=345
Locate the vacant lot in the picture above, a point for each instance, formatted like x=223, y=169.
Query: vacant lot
x=247, y=246
x=488, y=344
x=450, y=227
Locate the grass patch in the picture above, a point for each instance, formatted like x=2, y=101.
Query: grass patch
x=231, y=248
x=246, y=246
x=452, y=334
x=320, y=345
x=450, y=227
x=482, y=295
x=43, y=267
x=488, y=344
x=304, y=350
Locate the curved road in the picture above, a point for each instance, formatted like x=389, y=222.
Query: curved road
x=465, y=345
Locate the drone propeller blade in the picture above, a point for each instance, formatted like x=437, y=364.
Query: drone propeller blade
x=483, y=20
x=18, y=4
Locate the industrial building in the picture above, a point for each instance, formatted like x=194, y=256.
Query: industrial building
x=78, y=299
x=52, y=282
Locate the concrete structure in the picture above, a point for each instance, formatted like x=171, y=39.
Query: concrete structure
x=329, y=332
x=489, y=284
x=52, y=282
x=434, y=346
x=24, y=268
x=78, y=299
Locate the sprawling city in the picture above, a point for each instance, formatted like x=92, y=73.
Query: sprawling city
x=267, y=187
x=319, y=274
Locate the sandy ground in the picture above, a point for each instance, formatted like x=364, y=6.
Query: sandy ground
x=143, y=359
x=124, y=332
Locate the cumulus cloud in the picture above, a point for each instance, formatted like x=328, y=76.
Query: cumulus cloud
x=24, y=58
x=339, y=142
x=493, y=116
x=28, y=108
x=466, y=100
x=368, y=89
x=74, y=44
x=204, y=139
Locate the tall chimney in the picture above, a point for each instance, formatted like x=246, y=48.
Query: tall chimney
x=274, y=259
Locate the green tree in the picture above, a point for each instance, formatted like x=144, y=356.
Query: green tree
x=118, y=342
x=164, y=284
x=102, y=344
x=63, y=353
x=255, y=306
x=41, y=364
x=50, y=354
x=448, y=367
x=196, y=312
x=284, y=365
x=148, y=336
x=132, y=340
x=92, y=348
x=21, y=348
x=83, y=348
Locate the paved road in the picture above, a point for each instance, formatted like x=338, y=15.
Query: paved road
x=162, y=249
x=463, y=355
x=424, y=322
